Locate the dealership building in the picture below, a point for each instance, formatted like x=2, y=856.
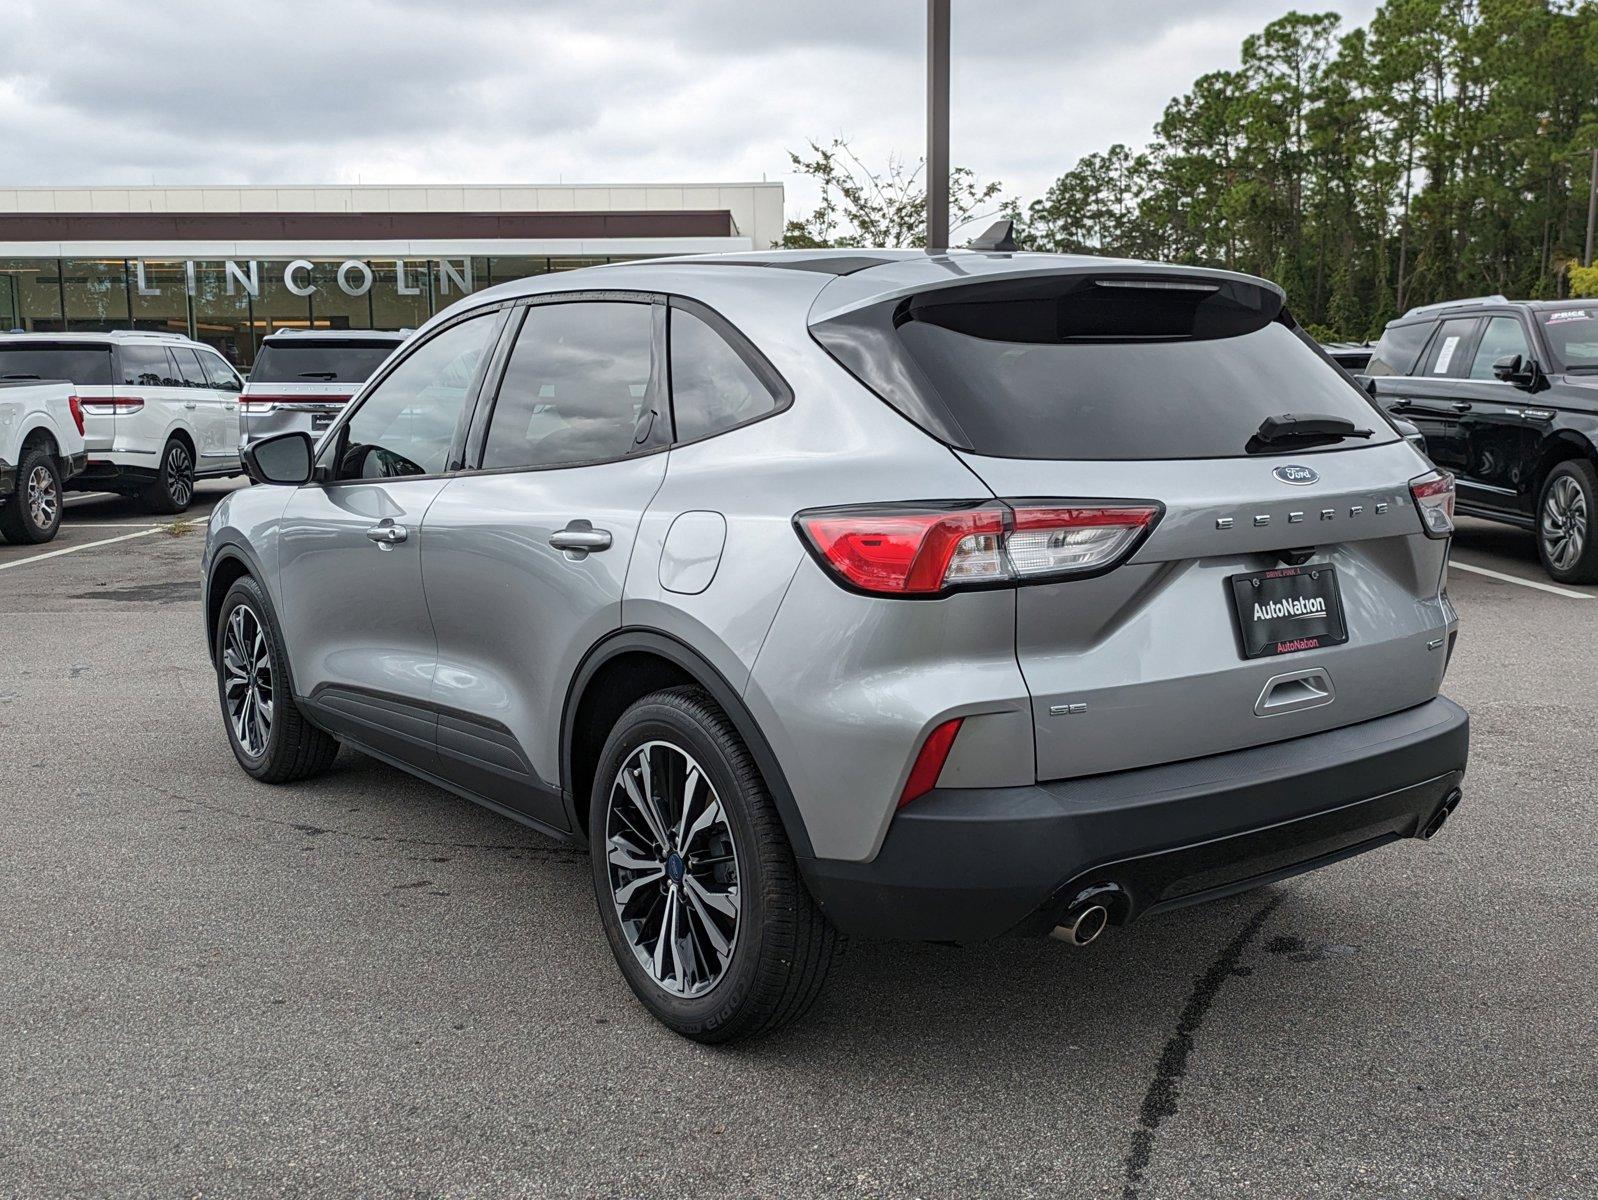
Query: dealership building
x=227, y=265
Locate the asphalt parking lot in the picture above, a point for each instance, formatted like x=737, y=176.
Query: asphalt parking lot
x=363, y=985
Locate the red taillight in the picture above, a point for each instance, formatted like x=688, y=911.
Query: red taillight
x=1434, y=500
x=76, y=406
x=929, y=549
x=929, y=763
x=121, y=404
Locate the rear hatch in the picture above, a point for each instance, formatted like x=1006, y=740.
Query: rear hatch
x=314, y=375
x=1285, y=586
x=85, y=365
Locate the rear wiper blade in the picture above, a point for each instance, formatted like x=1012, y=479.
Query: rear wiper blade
x=318, y=374
x=19, y=377
x=1291, y=427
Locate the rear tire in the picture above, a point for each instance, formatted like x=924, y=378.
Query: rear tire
x=32, y=514
x=1567, y=535
x=270, y=736
x=750, y=948
x=173, y=489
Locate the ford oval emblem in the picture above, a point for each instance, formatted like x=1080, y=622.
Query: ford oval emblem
x=1296, y=474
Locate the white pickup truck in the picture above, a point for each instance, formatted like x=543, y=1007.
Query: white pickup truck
x=41, y=447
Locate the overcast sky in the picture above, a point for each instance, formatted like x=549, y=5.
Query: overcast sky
x=501, y=91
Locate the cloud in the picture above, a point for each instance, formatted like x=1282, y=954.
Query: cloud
x=236, y=91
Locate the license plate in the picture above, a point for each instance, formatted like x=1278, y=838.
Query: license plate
x=320, y=421
x=1288, y=609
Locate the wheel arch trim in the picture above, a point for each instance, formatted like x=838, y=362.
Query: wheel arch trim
x=680, y=654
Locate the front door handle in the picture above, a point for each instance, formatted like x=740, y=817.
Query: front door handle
x=190, y=404
x=580, y=539
x=1461, y=406
x=387, y=534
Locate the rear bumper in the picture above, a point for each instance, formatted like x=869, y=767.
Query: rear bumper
x=965, y=865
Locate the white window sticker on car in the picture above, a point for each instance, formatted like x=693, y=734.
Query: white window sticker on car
x=1445, y=356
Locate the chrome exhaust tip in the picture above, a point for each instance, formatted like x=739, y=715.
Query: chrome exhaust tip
x=1436, y=821
x=1082, y=925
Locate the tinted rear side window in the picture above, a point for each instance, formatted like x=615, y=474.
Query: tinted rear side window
x=1085, y=369
x=322, y=361
x=1399, y=349
x=88, y=366
x=712, y=387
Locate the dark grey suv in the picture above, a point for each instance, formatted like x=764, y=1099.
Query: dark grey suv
x=924, y=596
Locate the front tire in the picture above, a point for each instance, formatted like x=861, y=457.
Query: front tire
x=697, y=886
x=33, y=513
x=270, y=736
x=173, y=489
x=1567, y=538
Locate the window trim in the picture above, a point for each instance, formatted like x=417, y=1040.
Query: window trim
x=483, y=416
x=768, y=375
x=321, y=472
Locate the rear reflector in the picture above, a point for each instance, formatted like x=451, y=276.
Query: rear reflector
x=929, y=763
x=1434, y=500
x=930, y=549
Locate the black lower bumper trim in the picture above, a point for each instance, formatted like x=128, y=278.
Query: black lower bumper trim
x=970, y=864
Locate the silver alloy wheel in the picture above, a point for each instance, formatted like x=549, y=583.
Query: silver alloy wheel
x=179, y=475
x=44, y=502
x=673, y=869
x=1564, y=523
x=247, y=680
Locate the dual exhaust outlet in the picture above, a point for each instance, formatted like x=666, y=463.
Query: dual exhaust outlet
x=1086, y=918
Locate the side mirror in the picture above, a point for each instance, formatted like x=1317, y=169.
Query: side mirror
x=286, y=459
x=1522, y=372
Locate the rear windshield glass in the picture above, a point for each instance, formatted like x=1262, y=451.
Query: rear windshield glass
x=1572, y=336
x=322, y=361
x=87, y=366
x=1085, y=369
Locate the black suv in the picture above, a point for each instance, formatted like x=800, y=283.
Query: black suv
x=1505, y=393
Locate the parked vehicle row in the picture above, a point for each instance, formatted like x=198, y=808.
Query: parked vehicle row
x=907, y=595
x=41, y=449
x=1505, y=394
x=161, y=411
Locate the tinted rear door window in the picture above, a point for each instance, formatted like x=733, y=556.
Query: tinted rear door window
x=189, y=367
x=87, y=366
x=1446, y=358
x=322, y=361
x=147, y=366
x=576, y=388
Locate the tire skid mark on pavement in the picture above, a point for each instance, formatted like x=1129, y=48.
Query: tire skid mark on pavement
x=546, y=853
x=1159, y=1102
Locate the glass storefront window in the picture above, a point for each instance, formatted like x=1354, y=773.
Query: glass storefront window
x=96, y=293
x=34, y=287
x=393, y=309
x=503, y=270
x=221, y=320
x=166, y=307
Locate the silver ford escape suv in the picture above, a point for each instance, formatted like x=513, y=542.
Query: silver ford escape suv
x=884, y=593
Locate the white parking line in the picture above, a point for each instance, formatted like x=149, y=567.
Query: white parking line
x=22, y=562
x=1531, y=583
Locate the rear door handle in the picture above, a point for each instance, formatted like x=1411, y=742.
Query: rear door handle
x=580, y=539
x=190, y=404
x=387, y=534
x=1460, y=406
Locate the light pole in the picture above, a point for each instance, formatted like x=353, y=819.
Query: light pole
x=938, y=127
